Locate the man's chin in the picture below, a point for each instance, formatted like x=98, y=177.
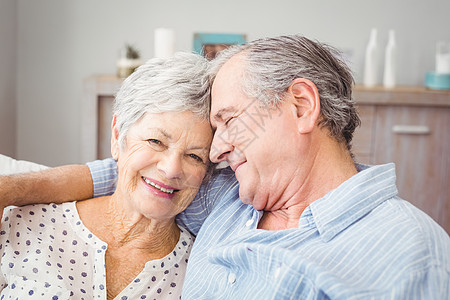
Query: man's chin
x=245, y=198
x=250, y=201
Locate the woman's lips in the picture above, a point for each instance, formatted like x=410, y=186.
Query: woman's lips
x=160, y=188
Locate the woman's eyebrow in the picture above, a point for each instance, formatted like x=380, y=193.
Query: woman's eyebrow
x=161, y=131
x=200, y=148
x=194, y=147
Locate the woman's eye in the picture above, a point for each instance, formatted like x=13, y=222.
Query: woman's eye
x=154, y=142
x=196, y=157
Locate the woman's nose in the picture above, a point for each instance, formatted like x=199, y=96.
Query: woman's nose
x=171, y=166
x=220, y=149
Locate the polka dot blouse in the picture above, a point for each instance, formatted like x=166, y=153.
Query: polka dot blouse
x=47, y=253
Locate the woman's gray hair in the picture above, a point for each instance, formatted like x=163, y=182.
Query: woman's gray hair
x=272, y=64
x=175, y=84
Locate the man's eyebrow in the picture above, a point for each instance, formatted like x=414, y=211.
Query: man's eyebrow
x=219, y=116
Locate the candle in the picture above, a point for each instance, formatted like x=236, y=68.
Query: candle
x=164, y=42
x=443, y=58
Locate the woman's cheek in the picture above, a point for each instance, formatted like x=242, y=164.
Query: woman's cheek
x=195, y=178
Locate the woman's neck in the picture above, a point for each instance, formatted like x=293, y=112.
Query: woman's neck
x=117, y=227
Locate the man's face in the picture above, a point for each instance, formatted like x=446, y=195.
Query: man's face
x=259, y=143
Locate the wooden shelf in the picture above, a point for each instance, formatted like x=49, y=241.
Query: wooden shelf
x=402, y=95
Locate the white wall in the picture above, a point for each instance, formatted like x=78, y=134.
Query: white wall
x=8, y=49
x=61, y=42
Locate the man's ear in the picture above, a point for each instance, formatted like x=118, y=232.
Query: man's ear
x=306, y=101
x=114, y=138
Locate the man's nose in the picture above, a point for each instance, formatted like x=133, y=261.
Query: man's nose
x=220, y=149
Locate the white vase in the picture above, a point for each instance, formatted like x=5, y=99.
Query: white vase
x=390, y=68
x=371, y=61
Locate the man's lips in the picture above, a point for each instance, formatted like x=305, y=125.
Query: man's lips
x=235, y=166
x=160, y=186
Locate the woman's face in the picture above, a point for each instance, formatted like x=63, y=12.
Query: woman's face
x=162, y=164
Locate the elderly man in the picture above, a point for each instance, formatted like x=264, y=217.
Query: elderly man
x=294, y=217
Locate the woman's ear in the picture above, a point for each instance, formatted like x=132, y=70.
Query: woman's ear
x=306, y=101
x=114, y=138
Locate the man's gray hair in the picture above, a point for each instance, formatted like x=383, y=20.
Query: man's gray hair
x=271, y=64
x=175, y=84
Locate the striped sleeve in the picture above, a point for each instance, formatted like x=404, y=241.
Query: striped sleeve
x=104, y=176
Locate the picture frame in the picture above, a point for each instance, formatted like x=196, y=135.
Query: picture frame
x=209, y=44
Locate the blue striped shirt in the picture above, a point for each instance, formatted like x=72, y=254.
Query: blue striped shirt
x=360, y=241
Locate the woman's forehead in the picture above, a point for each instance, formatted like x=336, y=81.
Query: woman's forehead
x=183, y=126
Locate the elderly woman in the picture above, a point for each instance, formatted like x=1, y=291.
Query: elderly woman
x=127, y=245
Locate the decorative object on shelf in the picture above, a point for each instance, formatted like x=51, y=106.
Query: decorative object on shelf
x=390, y=67
x=443, y=57
x=371, y=60
x=129, y=60
x=209, y=44
x=440, y=79
x=164, y=42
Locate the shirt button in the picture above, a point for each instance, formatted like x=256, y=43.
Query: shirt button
x=232, y=278
x=249, y=223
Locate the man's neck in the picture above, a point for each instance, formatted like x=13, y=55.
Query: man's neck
x=281, y=219
x=331, y=166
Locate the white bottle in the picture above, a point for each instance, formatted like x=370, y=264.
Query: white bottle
x=443, y=57
x=390, y=68
x=371, y=60
x=164, y=39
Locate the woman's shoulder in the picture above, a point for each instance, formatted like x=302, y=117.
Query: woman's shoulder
x=186, y=239
x=38, y=215
x=37, y=209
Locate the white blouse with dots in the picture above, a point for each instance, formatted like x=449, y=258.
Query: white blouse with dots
x=47, y=253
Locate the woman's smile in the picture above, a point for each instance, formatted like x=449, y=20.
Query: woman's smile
x=159, y=188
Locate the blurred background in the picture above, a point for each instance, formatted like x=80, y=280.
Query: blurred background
x=49, y=47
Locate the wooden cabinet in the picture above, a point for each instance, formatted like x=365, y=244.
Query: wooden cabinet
x=406, y=125
x=98, y=96
x=410, y=127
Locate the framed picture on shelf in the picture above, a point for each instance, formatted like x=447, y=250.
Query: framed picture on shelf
x=209, y=44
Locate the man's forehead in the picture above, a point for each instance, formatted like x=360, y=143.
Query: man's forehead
x=226, y=87
x=221, y=97
x=230, y=73
x=225, y=102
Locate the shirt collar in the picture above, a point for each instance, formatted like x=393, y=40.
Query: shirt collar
x=353, y=199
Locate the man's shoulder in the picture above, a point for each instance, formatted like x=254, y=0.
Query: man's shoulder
x=425, y=228
x=407, y=235
x=223, y=177
x=222, y=185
